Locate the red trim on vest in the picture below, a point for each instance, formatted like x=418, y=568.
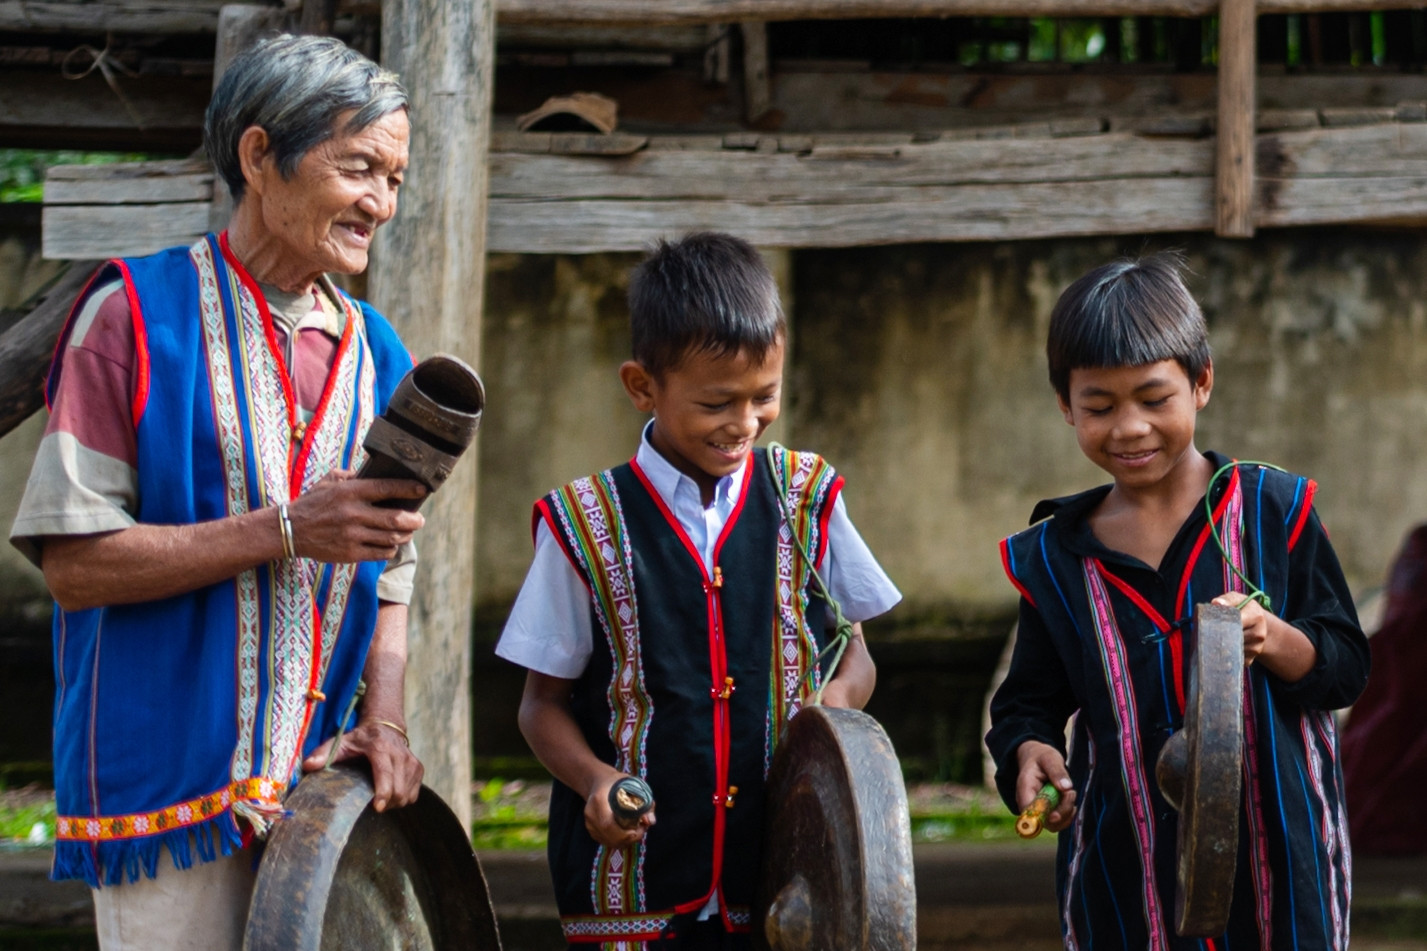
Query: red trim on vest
x=1308, y=494
x=141, y=339
x=541, y=513
x=1006, y=567
x=825, y=517
x=65, y=331
x=1180, y=606
x=299, y=469
x=1171, y=633
x=1128, y=591
x=718, y=662
x=270, y=335
x=298, y=464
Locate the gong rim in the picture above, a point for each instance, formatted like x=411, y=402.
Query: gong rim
x=1208, y=835
x=304, y=852
x=839, y=761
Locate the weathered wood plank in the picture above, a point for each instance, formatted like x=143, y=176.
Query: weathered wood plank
x=45, y=110
x=26, y=348
x=119, y=16
x=677, y=12
x=1234, y=161
x=831, y=172
x=1321, y=201
x=101, y=231
x=1386, y=151
x=124, y=183
x=837, y=190
x=964, y=213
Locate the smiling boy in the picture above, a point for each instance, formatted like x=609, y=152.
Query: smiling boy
x=1108, y=581
x=668, y=624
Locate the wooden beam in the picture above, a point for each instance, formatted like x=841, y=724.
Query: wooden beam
x=427, y=276
x=45, y=110
x=1045, y=180
x=317, y=17
x=1234, y=163
x=680, y=12
x=757, y=88
x=118, y=16
x=201, y=16
x=27, y=347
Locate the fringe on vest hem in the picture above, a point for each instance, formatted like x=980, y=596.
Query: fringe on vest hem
x=101, y=864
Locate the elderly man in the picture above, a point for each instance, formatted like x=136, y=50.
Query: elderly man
x=223, y=584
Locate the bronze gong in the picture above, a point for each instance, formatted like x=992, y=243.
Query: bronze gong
x=837, y=847
x=337, y=874
x=1200, y=773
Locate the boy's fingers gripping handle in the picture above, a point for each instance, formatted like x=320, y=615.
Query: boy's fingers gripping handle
x=1030, y=822
x=630, y=799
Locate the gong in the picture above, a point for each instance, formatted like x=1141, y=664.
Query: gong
x=1200, y=773
x=337, y=874
x=837, y=848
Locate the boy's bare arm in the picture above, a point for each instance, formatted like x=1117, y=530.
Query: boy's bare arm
x=556, y=740
x=1282, y=648
x=856, y=676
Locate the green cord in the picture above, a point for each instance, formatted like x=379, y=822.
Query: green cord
x=1255, y=593
x=342, y=724
x=837, y=646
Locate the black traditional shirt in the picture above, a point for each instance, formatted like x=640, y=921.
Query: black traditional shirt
x=1105, y=638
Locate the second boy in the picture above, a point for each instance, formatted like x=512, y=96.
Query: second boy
x=669, y=621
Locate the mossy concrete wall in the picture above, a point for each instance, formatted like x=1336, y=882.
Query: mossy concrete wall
x=919, y=371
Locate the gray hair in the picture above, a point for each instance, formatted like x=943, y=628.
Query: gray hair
x=294, y=88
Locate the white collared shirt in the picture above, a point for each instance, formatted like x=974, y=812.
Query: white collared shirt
x=550, y=630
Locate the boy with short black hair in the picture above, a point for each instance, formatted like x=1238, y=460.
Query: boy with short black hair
x=669, y=623
x=1109, y=579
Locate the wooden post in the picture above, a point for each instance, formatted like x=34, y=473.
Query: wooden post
x=317, y=17
x=757, y=94
x=1234, y=163
x=239, y=26
x=427, y=276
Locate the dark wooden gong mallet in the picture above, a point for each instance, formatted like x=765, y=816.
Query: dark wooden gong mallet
x=630, y=799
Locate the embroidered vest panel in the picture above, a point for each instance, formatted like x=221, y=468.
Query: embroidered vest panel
x=172, y=715
x=655, y=701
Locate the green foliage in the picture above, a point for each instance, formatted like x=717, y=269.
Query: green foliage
x=27, y=817
x=22, y=171
x=970, y=825
x=509, y=814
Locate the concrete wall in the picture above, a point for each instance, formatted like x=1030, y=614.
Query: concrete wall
x=919, y=371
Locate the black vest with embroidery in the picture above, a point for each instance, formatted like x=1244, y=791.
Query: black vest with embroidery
x=690, y=683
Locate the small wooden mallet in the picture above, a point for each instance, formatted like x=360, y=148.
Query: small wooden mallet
x=1030, y=822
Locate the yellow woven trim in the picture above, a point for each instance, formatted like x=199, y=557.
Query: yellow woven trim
x=108, y=828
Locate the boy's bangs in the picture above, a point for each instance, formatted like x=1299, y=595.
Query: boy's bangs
x=1128, y=336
